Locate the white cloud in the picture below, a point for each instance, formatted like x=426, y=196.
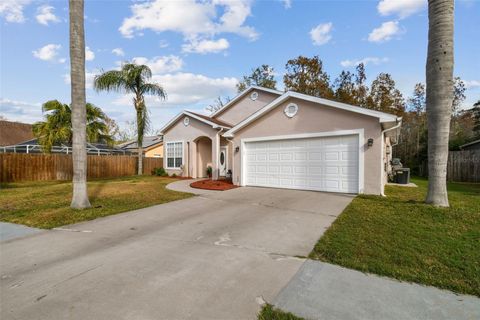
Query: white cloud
x=385, y=32
x=321, y=34
x=45, y=15
x=48, y=53
x=287, y=4
x=181, y=92
x=89, y=54
x=194, y=20
x=12, y=10
x=160, y=65
x=471, y=84
x=402, y=8
x=365, y=61
x=206, y=46
x=21, y=111
x=118, y=52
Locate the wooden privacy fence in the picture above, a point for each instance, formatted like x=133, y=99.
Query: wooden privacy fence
x=463, y=166
x=30, y=167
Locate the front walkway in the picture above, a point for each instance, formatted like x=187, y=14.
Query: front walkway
x=9, y=231
x=324, y=291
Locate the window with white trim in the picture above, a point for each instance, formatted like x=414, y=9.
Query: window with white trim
x=174, y=155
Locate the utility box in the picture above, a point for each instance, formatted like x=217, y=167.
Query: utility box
x=402, y=176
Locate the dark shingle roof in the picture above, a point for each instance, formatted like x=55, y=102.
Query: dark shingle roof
x=216, y=121
x=148, y=141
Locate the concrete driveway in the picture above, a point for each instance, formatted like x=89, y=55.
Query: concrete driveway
x=214, y=256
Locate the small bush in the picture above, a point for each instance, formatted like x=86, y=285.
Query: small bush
x=174, y=175
x=159, y=172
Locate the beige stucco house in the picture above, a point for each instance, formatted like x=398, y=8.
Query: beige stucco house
x=269, y=138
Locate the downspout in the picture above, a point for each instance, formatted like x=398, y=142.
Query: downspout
x=382, y=164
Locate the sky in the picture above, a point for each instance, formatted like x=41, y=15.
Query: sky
x=198, y=50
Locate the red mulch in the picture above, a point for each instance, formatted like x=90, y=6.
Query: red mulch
x=218, y=185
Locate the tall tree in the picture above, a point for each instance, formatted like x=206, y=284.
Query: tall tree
x=345, y=88
x=57, y=127
x=306, y=75
x=476, y=119
x=439, y=75
x=361, y=89
x=384, y=96
x=133, y=79
x=79, y=114
x=263, y=76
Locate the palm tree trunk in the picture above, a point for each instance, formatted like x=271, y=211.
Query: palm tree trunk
x=79, y=117
x=439, y=73
x=140, y=132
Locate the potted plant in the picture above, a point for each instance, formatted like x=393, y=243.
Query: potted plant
x=229, y=175
x=209, y=171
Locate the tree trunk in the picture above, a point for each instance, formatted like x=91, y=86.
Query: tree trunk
x=140, y=132
x=439, y=74
x=79, y=114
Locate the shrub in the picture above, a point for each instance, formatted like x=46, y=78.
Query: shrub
x=209, y=171
x=174, y=175
x=159, y=172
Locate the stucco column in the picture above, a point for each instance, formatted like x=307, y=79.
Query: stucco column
x=215, y=155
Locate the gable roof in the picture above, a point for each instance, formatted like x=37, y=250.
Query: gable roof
x=148, y=142
x=214, y=123
x=382, y=116
x=241, y=95
x=12, y=133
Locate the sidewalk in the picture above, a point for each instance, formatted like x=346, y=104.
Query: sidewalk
x=324, y=291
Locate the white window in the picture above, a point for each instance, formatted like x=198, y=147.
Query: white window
x=174, y=155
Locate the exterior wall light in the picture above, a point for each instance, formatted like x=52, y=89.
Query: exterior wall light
x=237, y=149
x=370, y=142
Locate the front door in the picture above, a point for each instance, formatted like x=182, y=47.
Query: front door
x=223, y=161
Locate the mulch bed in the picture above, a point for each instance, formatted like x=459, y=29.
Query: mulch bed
x=217, y=185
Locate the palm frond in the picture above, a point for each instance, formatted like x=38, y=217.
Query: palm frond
x=154, y=89
x=113, y=80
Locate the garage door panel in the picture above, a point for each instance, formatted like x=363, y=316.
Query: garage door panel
x=324, y=164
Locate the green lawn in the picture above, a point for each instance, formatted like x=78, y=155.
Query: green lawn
x=46, y=204
x=269, y=312
x=401, y=237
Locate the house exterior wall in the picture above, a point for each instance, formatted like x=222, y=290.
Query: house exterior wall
x=188, y=135
x=245, y=107
x=312, y=118
x=155, y=152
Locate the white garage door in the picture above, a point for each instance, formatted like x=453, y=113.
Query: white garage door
x=322, y=164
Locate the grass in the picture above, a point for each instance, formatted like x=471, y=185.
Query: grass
x=401, y=237
x=47, y=204
x=269, y=312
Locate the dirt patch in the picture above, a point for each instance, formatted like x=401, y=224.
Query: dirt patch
x=218, y=185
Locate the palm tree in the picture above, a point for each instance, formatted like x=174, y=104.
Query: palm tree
x=57, y=127
x=132, y=78
x=439, y=73
x=79, y=117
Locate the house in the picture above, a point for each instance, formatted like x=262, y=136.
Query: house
x=474, y=145
x=152, y=146
x=12, y=133
x=269, y=138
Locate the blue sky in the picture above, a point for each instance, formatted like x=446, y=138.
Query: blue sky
x=199, y=50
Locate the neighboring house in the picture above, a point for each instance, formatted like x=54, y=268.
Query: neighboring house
x=32, y=146
x=12, y=133
x=269, y=138
x=152, y=146
x=474, y=145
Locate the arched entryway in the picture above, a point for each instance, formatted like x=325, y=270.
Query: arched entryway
x=203, y=156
